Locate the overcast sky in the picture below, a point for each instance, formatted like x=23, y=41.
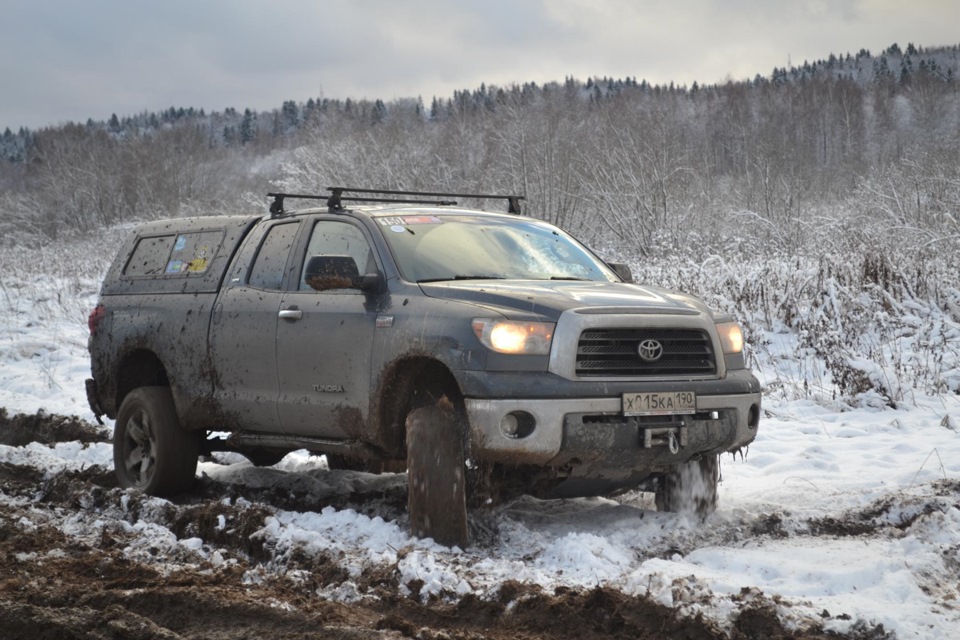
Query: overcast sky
x=70, y=60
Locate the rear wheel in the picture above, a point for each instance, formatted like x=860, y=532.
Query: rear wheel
x=436, y=478
x=151, y=451
x=690, y=487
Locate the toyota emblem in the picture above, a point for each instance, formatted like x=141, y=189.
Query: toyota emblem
x=650, y=350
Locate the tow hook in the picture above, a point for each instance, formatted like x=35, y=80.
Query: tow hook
x=672, y=443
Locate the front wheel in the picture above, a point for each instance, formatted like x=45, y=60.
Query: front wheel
x=152, y=453
x=690, y=487
x=436, y=478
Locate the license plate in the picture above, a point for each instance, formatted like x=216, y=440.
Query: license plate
x=659, y=403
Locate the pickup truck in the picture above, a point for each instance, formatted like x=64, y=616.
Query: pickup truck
x=487, y=354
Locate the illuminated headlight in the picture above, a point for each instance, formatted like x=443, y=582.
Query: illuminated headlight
x=731, y=337
x=509, y=336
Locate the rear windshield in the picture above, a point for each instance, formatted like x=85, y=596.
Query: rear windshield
x=173, y=255
x=461, y=247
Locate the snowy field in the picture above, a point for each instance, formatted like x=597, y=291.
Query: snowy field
x=842, y=516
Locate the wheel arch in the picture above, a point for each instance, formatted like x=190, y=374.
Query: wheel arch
x=408, y=383
x=139, y=368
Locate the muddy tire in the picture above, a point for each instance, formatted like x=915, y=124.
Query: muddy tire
x=436, y=479
x=152, y=453
x=690, y=487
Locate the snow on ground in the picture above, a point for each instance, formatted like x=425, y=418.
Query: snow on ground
x=837, y=514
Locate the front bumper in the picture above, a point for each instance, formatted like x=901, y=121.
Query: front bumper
x=593, y=433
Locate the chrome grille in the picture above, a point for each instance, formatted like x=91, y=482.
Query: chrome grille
x=615, y=352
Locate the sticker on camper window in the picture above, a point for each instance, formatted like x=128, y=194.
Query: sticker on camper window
x=175, y=266
x=197, y=265
x=180, y=243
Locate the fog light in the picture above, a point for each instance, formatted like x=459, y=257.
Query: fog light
x=509, y=425
x=518, y=424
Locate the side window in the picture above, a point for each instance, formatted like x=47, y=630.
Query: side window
x=334, y=238
x=174, y=255
x=267, y=271
x=149, y=257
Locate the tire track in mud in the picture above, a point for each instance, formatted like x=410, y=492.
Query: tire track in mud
x=75, y=563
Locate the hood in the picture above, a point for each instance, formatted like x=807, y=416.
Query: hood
x=521, y=299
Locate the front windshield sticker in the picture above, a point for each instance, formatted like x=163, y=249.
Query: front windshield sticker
x=393, y=221
x=398, y=228
x=421, y=220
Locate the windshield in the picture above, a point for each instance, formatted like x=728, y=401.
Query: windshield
x=463, y=247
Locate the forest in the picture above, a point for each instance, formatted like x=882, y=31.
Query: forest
x=818, y=203
x=846, y=169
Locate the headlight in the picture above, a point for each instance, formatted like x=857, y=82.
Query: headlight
x=731, y=337
x=510, y=336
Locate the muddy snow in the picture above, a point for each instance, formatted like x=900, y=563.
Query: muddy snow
x=842, y=520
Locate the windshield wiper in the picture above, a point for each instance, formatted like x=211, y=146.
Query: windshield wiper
x=570, y=278
x=460, y=277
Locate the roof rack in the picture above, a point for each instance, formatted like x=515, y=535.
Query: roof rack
x=336, y=198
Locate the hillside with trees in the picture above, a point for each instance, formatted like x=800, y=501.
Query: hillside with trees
x=611, y=158
x=845, y=171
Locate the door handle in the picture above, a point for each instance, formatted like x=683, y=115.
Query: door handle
x=292, y=313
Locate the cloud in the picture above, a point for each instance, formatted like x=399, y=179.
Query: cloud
x=64, y=60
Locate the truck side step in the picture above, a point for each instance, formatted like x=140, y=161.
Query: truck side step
x=250, y=440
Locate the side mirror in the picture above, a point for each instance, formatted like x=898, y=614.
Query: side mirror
x=622, y=270
x=331, y=272
x=324, y=273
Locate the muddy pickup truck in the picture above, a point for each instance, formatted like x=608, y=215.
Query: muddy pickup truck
x=487, y=354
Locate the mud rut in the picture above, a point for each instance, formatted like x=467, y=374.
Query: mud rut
x=59, y=586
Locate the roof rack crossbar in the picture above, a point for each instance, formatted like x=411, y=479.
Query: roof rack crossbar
x=396, y=201
x=336, y=197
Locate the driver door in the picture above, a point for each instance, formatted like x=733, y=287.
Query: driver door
x=324, y=342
